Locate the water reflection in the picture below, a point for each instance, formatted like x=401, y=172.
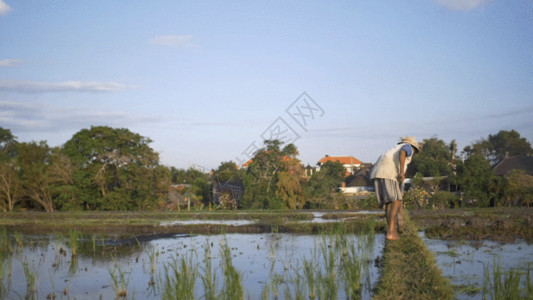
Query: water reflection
x=102, y=267
x=465, y=262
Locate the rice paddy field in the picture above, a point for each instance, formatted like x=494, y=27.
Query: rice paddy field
x=254, y=255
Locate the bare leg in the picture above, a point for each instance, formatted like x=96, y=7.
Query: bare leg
x=392, y=233
x=401, y=222
x=387, y=212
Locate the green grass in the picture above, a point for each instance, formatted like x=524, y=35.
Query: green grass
x=179, y=279
x=499, y=284
x=31, y=280
x=409, y=270
x=209, y=277
x=73, y=241
x=120, y=281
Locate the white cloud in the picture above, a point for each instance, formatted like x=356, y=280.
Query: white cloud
x=9, y=62
x=4, y=8
x=177, y=41
x=461, y=5
x=34, y=116
x=65, y=86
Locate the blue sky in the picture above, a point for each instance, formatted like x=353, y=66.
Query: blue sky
x=208, y=80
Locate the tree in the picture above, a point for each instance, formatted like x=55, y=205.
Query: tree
x=263, y=174
x=114, y=169
x=496, y=147
x=324, y=184
x=519, y=189
x=434, y=160
x=227, y=171
x=477, y=181
x=10, y=189
x=200, y=188
x=43, y=171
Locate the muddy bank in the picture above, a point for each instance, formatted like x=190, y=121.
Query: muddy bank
x=148, y=223
x=497, y=224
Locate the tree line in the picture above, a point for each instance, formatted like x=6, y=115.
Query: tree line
x=105, y=168
x=469, y=177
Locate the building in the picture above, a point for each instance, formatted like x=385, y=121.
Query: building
x=518, y=162
x=359, y=182
x=228, y=194
x=350, y=163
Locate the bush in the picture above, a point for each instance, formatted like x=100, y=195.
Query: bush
x=442, y=199
x=416, y=197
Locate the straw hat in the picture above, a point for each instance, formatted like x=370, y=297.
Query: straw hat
x=411, y=141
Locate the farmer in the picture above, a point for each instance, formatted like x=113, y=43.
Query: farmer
x=388, y=174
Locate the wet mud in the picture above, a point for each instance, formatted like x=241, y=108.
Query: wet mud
x=497, y=224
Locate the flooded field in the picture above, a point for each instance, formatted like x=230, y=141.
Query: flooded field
x=149, y=267
x=258, y=255
x=468, y=263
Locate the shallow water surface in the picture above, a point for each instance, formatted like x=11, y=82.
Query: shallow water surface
x=465, y=262
x=139, y=268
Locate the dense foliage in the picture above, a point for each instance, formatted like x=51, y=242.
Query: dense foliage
x=105, y=168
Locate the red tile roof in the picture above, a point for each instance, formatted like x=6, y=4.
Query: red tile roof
x=345, y=160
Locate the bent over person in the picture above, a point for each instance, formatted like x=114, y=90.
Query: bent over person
x=388, y=174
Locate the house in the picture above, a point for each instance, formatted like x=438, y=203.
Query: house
x=518, y=162
x=228, y=194
x=350, y=163
x=359, y=182
x=177, y=195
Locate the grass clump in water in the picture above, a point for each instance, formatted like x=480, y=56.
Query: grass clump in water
x=500, y=284
x=180, y=279
x=209, y=278
x=120, y=281
x=232, y=278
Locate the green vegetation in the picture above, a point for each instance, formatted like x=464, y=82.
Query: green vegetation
x=409, y=270
x=114, y=169
x=338, y=268
x=500, y=284
x=120, y=280
x=180, y=278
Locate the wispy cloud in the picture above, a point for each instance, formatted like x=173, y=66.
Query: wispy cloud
x=4, y=8
x=461, y=5
x=176, y=41
x=65, y=86
x=10, y=62
x=33, y=116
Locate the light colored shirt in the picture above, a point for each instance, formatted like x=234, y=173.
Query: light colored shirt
x=388, y=164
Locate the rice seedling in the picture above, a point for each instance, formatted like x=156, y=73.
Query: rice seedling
x=180, y=279
x=73, y=266
x=153, y=257
x=310, y=276
x=500, y=284
x=351, y=273
x=209, y=278
x=31, y=279
x=120, y=281
x=18, y=239
x=232, y=278
x=529, y=282
x=298, y=284
x=93, y=243
x=5, y=243
x=73, y=241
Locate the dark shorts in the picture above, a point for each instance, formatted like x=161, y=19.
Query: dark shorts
x=387, y=191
